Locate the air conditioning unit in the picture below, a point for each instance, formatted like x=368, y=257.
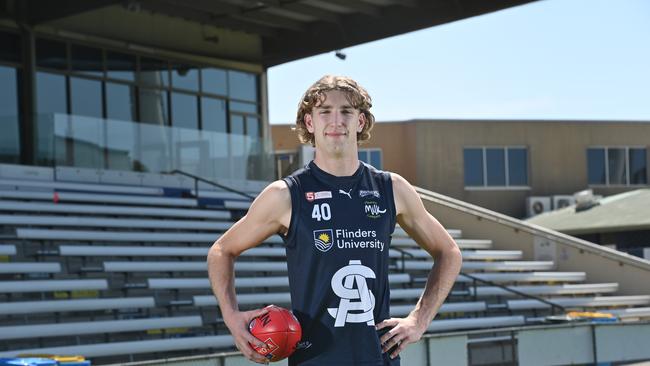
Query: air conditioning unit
x=537, y=205
x=562, y=201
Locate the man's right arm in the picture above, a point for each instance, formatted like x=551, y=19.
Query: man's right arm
x=269, y=214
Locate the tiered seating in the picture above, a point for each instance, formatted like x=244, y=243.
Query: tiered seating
x=125, y=267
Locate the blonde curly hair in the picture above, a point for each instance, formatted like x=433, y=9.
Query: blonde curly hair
x=315, y=95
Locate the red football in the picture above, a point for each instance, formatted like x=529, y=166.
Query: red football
x=279, y=330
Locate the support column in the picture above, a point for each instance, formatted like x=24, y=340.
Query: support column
x=27, y=92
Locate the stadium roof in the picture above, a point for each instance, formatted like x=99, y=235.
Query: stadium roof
x=288, y=29
x=622, y=212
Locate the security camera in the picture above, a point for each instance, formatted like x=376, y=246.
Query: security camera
x=340, y=55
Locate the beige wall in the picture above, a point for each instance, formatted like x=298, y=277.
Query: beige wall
x=430, y=154
x=392, y=138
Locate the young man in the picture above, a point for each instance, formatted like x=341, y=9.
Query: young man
x=336, y=216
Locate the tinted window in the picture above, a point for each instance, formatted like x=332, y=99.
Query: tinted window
x=517, y=167
x=638, y=166
x=616, y=165
x=496, y=169
x=252, y=127
x=86, y=97
x=214, y=81
x=185, y=113
x=473, y=162
x=51, y=54
x=236, y=125
x=243, y=107
x=596, y=166
x=120, y=102
x=213, y=114
x=185, y=77
x=50, y=93
x=9, y=138
x=8, y=92
x=153, y=106
x=120, y=66
x=11, y=49
x=237, y=141
x=242, y=85
x=153, y=72
x=86, y=60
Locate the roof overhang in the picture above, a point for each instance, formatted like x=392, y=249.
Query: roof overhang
x=287, y=29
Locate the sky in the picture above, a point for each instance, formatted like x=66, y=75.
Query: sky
x=551, y=59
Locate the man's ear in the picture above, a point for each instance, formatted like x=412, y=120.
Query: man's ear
x=309, y=123
x=362, y=122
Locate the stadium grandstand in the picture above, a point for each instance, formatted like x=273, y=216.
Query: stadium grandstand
x=136, y=132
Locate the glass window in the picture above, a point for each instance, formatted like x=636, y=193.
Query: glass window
x=51, y=54
x=120, y=66
x=236, y=124
x=9, y=138
x=242, y=85
x=120, y=102
x=473, y=161
x=87, y=60
x=121, y=148
x=517, y=167
x=185, y=112
x=185, y=77
x=375, y=158
x=8, y=92
x=86, y=97
x=213, y=114
x=214, y=81
x=243, y=107
x=616, y=165
x=252, y=127
x=496, y=169
x=237, y=140
x=153, y=106
x=638, y=166
x=51, y=96
x=153, y=72
x=596, y=166
x=11, y=49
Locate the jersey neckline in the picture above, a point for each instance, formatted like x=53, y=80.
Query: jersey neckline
x=333, y=179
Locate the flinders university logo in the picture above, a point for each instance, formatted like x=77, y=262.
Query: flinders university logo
x=357, y=301
x=323, y=239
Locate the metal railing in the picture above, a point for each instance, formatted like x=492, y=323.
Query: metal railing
x=198, y=179
x=533, y=229
x=509, y=289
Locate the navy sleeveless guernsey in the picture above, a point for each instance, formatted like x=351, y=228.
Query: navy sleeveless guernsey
x=337, y=254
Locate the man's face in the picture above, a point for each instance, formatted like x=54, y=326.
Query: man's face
x=335, y=123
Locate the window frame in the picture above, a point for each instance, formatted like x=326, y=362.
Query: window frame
x=507, y=186
x=627, y=165
x=169, y=89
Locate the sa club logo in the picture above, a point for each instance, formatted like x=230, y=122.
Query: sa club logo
x=323, y=239
x=357, y=301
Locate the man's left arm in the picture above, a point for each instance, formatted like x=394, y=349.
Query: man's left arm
x=434, y=238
